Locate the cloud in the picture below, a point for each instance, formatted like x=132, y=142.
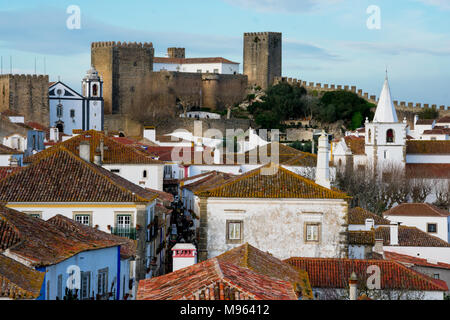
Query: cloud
x=284, y=6
x=443, y=4
x=297, y=49
x=398, y=49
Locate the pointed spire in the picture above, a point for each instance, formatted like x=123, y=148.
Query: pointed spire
x=385, y=110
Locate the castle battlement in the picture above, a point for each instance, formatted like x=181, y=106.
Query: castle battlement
x=402, y=105
x=119, y=44
x=250, y=34
x=24, y=76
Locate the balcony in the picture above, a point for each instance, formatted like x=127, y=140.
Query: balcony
x=126, y=232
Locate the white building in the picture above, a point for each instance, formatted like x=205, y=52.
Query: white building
x=423, y=216
x=176, y=61
x=71, y=111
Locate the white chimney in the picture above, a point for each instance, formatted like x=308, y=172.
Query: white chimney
x=369, y=224
x=98, y=159
x=150, y=133
x=85, y=151
x=217, y=156
x=184, y=255
x=353, y=283
x=54, y=134
x=323, y=162
x=394, y=234
x=416, y=118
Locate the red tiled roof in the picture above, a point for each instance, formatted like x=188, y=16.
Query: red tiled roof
x=428, y=170
x=215, y=178
x=61, y=176
x=409, y=260
x=18, y=281
x=37, y=126
x=215, y=280
x=425, y=121
x=7, y=150
x=192, y=60
x=6, y=171
x=359, y=215
x=114, y=153
x=416, y=210
x=280, y=184
x=428, y=147
x=43, y=243
x=165, y=153
x=437, y=131
x=249, y=257
x=445, y=119
x=334, y=273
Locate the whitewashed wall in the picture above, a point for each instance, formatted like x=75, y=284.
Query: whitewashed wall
x=277, y=226
x=134, y=173
x=421, y=223
x=440, y=254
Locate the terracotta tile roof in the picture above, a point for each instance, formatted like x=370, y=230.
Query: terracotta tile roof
x=356, y=144
x=215, y=280
x=18, y=281
x=411, y=261
x=445, y=119
x=44, y=243
x=37, y=126
x=282, y=184
x=437, y=131
x=407, y=237
x=334, y=273
x=215, y=178
x=428, y=170
x=425, y=121
x=115, y=153
x=359, y=215
x=7, y=150
x=61, y=176
x=5, y=171
x=416, y=210
x=162, y=196
x=249, y=257
x=192, y=60
x=165, y=153
x=428, y=147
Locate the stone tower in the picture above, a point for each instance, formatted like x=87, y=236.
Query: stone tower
x=262, y=58
x=27, y=95
x=124, y=68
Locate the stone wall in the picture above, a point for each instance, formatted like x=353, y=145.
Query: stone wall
x=27, y=95
x=262, y=58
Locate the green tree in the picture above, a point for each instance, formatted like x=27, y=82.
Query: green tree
x=429, y=113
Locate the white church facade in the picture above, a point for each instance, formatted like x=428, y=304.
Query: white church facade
x=70, y=110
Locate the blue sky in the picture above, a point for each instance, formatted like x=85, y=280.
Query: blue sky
x=324, y=41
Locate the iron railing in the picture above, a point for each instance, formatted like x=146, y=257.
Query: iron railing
x=126, y=232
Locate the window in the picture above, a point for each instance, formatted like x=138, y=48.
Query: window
x=72, y=113
x=60, y=295
x=386, y=154
x=312, y=232
x=85, y=285
x=123, y=221
x=102, y=281
x=216, y=70
x=390, y=136
x=83, y=219
x=436, y=276
x=34, y=214
x=199, y=70
x=431, y=227
x=144, y=174
x=235, y=231
x=59, y=110
x=95, y=90
x=115, y=170
x=433, y=138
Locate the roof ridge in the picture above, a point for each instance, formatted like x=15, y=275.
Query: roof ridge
x=418, y=274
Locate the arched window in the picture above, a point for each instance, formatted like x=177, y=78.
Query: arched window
x=144, y=174
x=94, y=90
x=390, y=136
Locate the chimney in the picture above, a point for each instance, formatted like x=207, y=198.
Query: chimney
x=98, y=158
x=102, y=150
x=85, y=151
x=353, y=283
x=150, y=133
x=416, y=118
x=54, y=134
x=378, y=247
x=184, y=255
x=323, y=162
x=13, y=162
x=394, y=234
x=369, y=224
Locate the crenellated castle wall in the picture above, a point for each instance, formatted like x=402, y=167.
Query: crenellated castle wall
x=399, y=105
x=26, y=95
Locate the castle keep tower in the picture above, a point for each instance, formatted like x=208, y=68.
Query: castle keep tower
x=27, y=95
x=124, y=68
x=262, y=58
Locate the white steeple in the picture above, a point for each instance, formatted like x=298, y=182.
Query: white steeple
x=385, y=110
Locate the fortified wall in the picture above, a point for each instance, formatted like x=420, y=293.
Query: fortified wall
x=399, y=106
x=26, y=95
x=131, y=86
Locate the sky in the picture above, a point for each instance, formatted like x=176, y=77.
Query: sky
x=326, y=41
